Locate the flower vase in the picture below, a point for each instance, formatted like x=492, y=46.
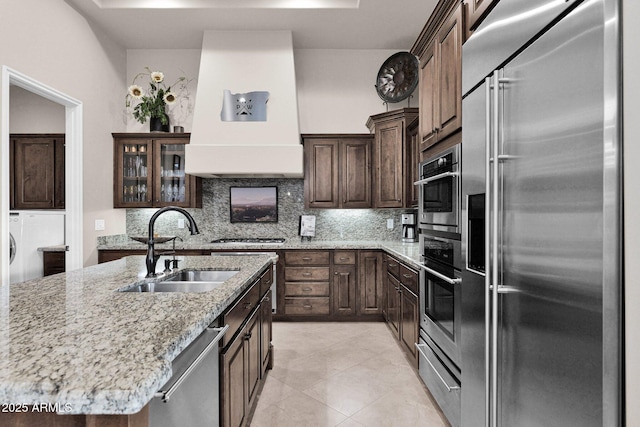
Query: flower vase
x=155, y=124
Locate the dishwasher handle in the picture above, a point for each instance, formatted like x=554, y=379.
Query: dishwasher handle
x=166, y=395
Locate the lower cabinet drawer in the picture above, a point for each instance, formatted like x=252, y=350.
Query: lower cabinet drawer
x=235, y=316
x=309, y=306
x=306, y=273
x=444, y=387
x=306, y=289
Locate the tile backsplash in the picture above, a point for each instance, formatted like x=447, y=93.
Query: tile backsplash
x=213, y=218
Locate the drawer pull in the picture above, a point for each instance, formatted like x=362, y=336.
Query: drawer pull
x=306, y=274
x=306, y=258
x=307, y=289
x=344, y=259
x=393, y=265
x=267, y=299
x=247, y=336
x=307, y=306
x=406, y=276
x=247, y=305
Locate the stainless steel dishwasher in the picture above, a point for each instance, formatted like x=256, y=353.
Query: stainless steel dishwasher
x=191, y=397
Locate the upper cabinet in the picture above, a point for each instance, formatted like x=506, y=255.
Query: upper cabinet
x=149, y=172
x=337, y=170
x=439, y=49
x=392, y=158
x=475, y=12
x=36, y=170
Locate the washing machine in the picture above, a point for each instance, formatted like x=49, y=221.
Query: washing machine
x=32, y=230
x=15, y=237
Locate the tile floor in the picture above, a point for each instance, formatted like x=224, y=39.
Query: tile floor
x=342, y=374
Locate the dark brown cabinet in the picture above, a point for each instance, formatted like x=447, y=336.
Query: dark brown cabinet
x=246, y=347
x=402, y=304
x=370, y=285
x=149, y=172
x=53, y=262
x=344, y=283
x=306, y=283
x=330, y=285
x=392, y=157
x=439, y=48
x=36, y=163
x=337, y=171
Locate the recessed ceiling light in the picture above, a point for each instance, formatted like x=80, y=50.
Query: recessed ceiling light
x=227, y=4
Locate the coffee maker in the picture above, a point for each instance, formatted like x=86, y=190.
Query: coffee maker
x=408, y=221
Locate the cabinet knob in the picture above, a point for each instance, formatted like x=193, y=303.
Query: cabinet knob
x=247, y=305
x=247, y=336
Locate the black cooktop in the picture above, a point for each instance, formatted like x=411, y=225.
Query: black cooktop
x=250, y=240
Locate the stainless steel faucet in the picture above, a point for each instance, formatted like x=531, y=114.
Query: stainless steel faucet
x=152, y=258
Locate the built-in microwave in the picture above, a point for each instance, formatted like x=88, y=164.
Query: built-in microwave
x=439, y=193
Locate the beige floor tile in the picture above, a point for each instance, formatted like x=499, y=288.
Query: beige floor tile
x=342, y=373
x=347, y=393
x=393, y=410
x=307, y=411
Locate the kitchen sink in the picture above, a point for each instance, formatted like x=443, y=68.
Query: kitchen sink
x=186, y=281
x=202, y=276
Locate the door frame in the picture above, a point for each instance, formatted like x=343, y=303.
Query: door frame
x=73, y=168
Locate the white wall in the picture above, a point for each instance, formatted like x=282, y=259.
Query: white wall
x=31, y=113
x=174, y=63
x=336, y=89
x=631, y=86
x=50, y=42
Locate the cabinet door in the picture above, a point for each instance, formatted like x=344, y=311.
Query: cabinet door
x=388, y=183
x=58, y=174
x=356, y=173
x=172, y=186
x=252, y=353
x=413, y=146
x=392, y=289
x=265, y=332
x=34, y=169
x=370, y=283
x=343, y=292
x=409, y=322
x=449, y=54
x=234, y=383
x=428, y=90
x=133, y=172
x=321, y=173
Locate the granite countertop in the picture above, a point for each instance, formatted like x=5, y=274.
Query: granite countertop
x=55, y=248
x=407, y=252
x=71, y=339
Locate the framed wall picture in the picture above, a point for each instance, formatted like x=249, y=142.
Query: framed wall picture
x=254, y=204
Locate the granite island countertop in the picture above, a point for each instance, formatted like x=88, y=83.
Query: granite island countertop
x=71, y=339
x=408, y=252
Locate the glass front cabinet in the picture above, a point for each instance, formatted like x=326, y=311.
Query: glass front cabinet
x=149, y=172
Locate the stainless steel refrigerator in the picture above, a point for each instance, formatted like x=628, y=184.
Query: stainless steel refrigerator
x=541, y=208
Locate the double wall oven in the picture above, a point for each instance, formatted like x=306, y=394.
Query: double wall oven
x=440, y=280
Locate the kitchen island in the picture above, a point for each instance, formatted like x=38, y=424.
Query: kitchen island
x=73, y=344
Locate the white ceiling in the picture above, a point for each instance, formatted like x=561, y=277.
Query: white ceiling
x=161, y=24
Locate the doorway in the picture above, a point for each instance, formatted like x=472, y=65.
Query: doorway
x=73, y=168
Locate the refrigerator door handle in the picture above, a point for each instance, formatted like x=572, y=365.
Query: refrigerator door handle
x=495, y=222
x=487, y=252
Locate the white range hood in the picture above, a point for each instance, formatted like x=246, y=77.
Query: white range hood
x=241, y=62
